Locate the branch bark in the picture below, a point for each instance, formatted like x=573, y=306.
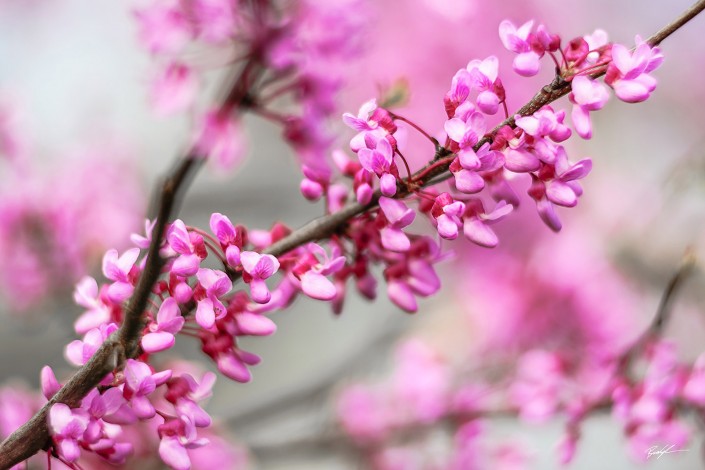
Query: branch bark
x=33, y=436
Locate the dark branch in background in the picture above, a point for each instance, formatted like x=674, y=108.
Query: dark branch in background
x=663, y=311
x=33, y=436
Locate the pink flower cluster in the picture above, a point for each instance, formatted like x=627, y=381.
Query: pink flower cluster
x=481, y=157
x=444, y=390
x=195, y=295
x=627, y=72
x=139, y=413
x=302, y=55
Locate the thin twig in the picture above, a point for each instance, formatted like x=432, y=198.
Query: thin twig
x=325, y=226
x=663, y=311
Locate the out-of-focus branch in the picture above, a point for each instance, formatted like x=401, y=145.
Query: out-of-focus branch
x=663, y=311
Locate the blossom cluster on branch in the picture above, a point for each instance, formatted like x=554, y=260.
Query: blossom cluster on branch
x=371, y=200
x=547, y=351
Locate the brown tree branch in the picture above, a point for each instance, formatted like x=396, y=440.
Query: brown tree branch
x=325, y=226
x=33, y=436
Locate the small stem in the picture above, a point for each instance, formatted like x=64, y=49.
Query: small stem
x=415, y=126
x=662, y=312
x=555, y=61
x=271, y=115
x=424, y=172
x=279, y=92
x=406, y=164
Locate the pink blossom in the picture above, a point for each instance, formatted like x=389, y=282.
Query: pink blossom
x=221, y=140
x=596, y=42
x=174, y=89
x=518, y=40
x=628, y=72
x=178, y=435
x=185, y=393
x=468, y=164
x=161, y=333
x=362, y=414
x=188, y=245
x=79, y=352
x=414, y=275
x=86, y=295
x=140, y=381
x=694, y=388
x=537, y=386
x=379, y=161
x=398, y=216
x=587, y=95
x=48, y=382
x=477, y=222
x=468, y=131
x=233, y=366
x=545, y=123
x=163, y=28
x=363, y=121
x=313, y=272
x=258, y=268
x=215, y=284
x=459, y=91
x=315, y=182
x=447, y=216
x=558, y=185
x=143, y=242
x=231, y=239
x=224, y=230
x=484, y=75
x=216, y=20
x=120, y=270
x=67, y=427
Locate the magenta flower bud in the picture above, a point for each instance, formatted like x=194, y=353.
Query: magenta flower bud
x=364, y=193
x=232, y=256
x=49, y=383
x=311, y=190
x=388, y=185
x=488, y=102
x=234, y=368
x=576, y=51
x=402, y=296
x=182, y=292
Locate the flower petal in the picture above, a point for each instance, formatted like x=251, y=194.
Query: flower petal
x=173, y=453
x=159, y=341
x=478, y=232
x=255, y=324
x=317, y=286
